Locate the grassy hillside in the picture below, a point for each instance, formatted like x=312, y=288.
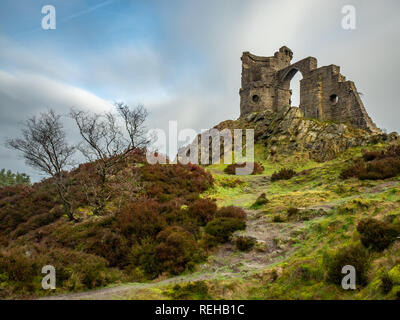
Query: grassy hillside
x=152, y=227
x=330, y=209
x=311, y=221
x=185, y=221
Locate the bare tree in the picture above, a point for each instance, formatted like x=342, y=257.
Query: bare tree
x=134, y=119
x=106, y=144
x=44, y=147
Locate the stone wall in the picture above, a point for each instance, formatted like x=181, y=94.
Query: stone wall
x=324, y=92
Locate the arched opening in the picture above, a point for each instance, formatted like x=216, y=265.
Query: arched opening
x=291, y=81
x=295, y=87
x=255, y=98
x=334, y=99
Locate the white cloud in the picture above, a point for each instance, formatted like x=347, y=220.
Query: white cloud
x=191, y=71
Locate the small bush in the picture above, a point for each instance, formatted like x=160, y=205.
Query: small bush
x=381, y=169
x=141, y=219
x=244, y=243
x=291, y=212
x=257, y=167
x=176, y=249
x=371, y=155
x=278, y=218
x=260, y=201
x=77, y=270
x=18, y=266
x=283, y=174
x=230, y=183
x=175, y=180
x=375, y=165
x=109, y=245
x=354, y=255
x=222, y=228
x=193, y=291
x=376, y=234
x=143, y=256
x=202, y=210
x=355, y=170
x=232, y=212
x=386, y=283
x=303, y=272
x=208, y=241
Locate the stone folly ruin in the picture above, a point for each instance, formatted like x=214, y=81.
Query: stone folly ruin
x=325, y=94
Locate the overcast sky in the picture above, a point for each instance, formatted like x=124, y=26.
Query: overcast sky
x=181, y=59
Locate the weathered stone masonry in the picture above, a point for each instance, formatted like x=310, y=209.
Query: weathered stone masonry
x=324, y=92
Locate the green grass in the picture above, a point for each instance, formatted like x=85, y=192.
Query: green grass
x=302, y=275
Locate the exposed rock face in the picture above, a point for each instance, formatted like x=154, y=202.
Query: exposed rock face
x=287, y=131
x=324, y=92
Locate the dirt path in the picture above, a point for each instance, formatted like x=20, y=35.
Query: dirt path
x=273, y=245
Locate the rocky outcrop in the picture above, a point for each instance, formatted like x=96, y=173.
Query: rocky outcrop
x=288, y=131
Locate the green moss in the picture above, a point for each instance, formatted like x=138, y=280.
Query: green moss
x=394, y=274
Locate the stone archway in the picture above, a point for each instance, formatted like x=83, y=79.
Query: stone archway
x=291, y=83
x=285, y=76
x=295, y=89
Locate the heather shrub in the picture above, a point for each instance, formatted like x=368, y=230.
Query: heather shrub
x=76, y=270
x=354, y=255
x=176, y=249
x=392, y=151
x=231, y=212
x=371, y=155
x=229, y=182
x=140, y=219
x=355, y=170
x=283, y=174
x=278, y=218
x=197, y=290
x=175, y=180
x=381, y=169
x=20, y=205
x=257, y=167
x=18, y=266
x=110, y=245
x=386, y=283
x=244, y=243
x=222, y=228
x=208, y=241
x=260, y=201
x=375, y=165
x=143, y=256
x=202, y=210
x=376, y=234
x=291, y=212
x=88, y=274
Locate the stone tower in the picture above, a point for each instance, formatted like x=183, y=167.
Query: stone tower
x=324, y=92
